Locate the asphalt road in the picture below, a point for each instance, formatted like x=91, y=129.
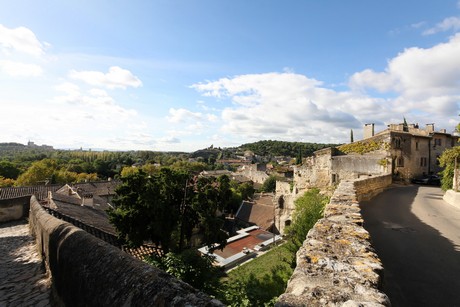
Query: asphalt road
x=417, y=236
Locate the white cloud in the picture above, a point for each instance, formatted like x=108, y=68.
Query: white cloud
x=418, y=74
x=97, y=102
x=421, y=84
x=182, y=115
x=17, y=69
x=285, y=106
x=450, y=23
x=20, y=39
x=117, y=77
x=418, y=25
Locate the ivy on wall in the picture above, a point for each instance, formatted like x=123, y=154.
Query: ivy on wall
x=364, y=147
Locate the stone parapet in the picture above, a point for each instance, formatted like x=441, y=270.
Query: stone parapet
x=86, y=271
x=14, y=208
x=337, y=265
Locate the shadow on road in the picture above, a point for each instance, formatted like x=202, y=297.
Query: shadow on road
x=421, y=267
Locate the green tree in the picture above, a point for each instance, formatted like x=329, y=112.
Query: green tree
x=165, y=207
x=9, y=170
x=6, y=182
x=447, y=160
x=148, y=207
x=38, y=172
x=189, y=266
x=351, y=136
x=308, y=209
x=269, y=184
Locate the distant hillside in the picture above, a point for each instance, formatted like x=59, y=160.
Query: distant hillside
x=14, y=150
x=282, y=148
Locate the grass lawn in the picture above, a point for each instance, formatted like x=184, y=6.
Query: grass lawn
x=260, y=280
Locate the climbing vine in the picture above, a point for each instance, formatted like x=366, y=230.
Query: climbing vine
x=363, y=147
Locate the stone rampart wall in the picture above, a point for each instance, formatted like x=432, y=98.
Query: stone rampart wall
x=354, y=166
x=14, y=209
x=251, y=172
x=337, y=266
x=86, y=271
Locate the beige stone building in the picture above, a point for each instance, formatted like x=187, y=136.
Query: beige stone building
x=413, y=151
x=404, y=151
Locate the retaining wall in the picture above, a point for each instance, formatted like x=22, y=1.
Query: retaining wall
x=337, y=266
x=14, y=208
x=86, y=271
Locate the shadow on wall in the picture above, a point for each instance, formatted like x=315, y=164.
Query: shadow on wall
x=87, y=271
x=421, y=267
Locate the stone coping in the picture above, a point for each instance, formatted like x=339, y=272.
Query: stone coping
x=337, y=265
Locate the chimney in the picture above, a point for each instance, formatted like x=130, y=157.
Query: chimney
x=443, y=131
x=87, y=199
x=429, y=128
x=368, y=130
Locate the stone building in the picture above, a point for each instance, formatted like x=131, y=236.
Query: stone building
x=404, y=151
x=412, y=151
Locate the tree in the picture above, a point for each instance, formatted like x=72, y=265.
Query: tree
x=308, y=209
x=405, y=125
x=9, y=170
x=351, y=136
x=38, y=172
x=447, y=160
x=269, y=184
x=189, y=266
x=6, y=182
x=166, y=207
x=148, y=207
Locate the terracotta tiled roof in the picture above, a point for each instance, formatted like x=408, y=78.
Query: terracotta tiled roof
x=40, y=191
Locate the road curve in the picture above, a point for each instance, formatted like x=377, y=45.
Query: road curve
x=417, y=236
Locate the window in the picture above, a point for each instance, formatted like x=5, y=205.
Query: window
x=437, y=142
x=281, y=202
x=416, y=145
x=397, y=142
x=400, y=162
x=335, y=178
x=423, y=161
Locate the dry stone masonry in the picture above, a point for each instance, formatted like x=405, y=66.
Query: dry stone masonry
x=337, y=266
x=86, y=271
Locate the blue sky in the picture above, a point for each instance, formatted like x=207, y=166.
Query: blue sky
x=182, y=75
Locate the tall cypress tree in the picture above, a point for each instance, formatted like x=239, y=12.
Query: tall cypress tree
x=351, y=136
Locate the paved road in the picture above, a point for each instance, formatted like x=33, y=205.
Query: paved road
x=417, y=236
x=22, y=278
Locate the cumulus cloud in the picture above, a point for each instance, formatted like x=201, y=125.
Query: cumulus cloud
x=282, y=105
x=421, y=84
x=418, y=74
x=20, y=39
x=450, y=23
x=18, y=69
x=116, y=77
x=183, y=115
x=96, y=102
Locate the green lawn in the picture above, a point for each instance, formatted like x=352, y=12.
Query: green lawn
x=261, y=280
